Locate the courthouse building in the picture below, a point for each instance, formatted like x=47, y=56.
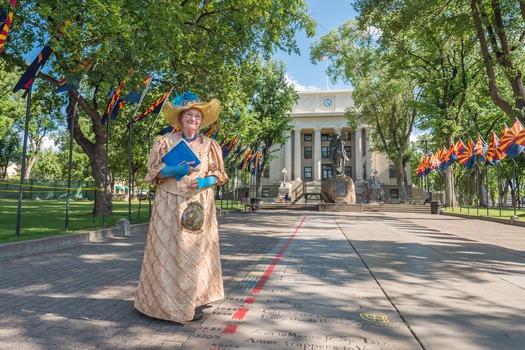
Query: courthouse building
x=316, y=116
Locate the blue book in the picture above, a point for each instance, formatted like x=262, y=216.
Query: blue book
x=181, y=153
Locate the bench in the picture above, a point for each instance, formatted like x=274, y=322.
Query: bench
x=247, y=204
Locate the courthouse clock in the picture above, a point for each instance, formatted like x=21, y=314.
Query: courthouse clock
x=327, y=102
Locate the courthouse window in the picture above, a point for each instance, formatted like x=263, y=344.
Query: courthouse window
x=392, y=171
x=326, y=137
x=307, y=172
x=308, y=137
x=348, y=150
x=325, y=152
x=348, y=171
x=308, y=152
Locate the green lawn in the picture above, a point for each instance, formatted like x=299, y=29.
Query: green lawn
x=506, y=212
x=44, y=218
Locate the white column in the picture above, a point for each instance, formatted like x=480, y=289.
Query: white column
x=288, y=155
x=317, y=154
x=297, y=173
x=368, y=155
x=358, y=154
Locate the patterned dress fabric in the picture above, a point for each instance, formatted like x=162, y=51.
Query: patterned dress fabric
x=181, y=268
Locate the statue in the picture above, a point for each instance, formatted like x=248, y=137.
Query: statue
x=338, y=188
x=338, y=153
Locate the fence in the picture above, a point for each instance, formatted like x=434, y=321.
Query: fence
x=48, y=189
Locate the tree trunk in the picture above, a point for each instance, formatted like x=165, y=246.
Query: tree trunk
x=401, y=176
x=134, y=177
x=482, y=193
x=29, y=166
x=450, y=189
x=96, y=152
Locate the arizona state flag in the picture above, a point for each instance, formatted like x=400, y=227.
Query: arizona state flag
x=31, y=72
x=135, y=96
x=165, y=130
x=490, y=155
x=468, y=157
x=480, y=148
x=507, y=143
x=114, y=98
x=156, y=107
x=71, y=81
x=5, y=22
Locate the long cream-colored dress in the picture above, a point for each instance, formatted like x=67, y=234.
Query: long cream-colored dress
x=181, y=268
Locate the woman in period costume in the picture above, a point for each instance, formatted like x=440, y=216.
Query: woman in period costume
x=181, y=270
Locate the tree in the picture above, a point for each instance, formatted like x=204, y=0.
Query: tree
x=9, y=152
x=268, y=118
x=189, y=44
x=44, y=120
x=436, y=45
x=384, y=98
x=47, y=165
x=500, y=28
x=11, y=107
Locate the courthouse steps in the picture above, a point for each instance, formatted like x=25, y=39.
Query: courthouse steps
x=397, y=208
x=367, y=208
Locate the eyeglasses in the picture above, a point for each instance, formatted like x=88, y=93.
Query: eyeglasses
x=195, y=115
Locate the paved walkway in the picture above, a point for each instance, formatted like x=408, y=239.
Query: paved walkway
x=294, y=280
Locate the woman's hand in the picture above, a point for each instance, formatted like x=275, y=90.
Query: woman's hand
x=191, y=169
x=200, y=182
x=193, y=184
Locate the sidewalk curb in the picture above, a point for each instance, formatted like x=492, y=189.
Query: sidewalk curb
x=486, y=218
x=48, y=244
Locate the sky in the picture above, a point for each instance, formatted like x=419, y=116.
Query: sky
x=329, y=14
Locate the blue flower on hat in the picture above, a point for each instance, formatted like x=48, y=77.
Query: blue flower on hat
x=184, y=99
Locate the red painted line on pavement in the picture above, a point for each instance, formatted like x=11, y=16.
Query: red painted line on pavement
x=260, y=285
x=249, y=300
x=230, y=328
x=241, y=312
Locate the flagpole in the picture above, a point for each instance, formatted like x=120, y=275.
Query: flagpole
x=453, y=189
x=476, y=178
x=130, y=160
x=514, y=176
x=149, y=149
x=499, y=193
x=518, y=190
x=468, y=188
x=487, y=181
x=130, y=146
x=104, y=212
x=326, y=74
x=24, y=152
x=70, y=162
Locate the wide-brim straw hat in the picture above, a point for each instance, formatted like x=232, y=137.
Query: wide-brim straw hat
x=210, y=112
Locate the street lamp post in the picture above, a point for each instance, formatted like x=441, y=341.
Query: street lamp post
x=429, y=194
x=284, y=175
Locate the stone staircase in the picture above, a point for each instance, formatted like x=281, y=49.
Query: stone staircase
x=404, y=208
x=311, y=193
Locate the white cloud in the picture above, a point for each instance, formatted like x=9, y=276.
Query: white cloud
x=297, y=86
x=49, y=143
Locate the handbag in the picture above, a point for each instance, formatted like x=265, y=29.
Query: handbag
x=192, y=218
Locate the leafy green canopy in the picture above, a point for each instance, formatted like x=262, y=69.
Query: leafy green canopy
x=204, y=46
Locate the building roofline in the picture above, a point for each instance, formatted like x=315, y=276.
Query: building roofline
x=323, y=91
